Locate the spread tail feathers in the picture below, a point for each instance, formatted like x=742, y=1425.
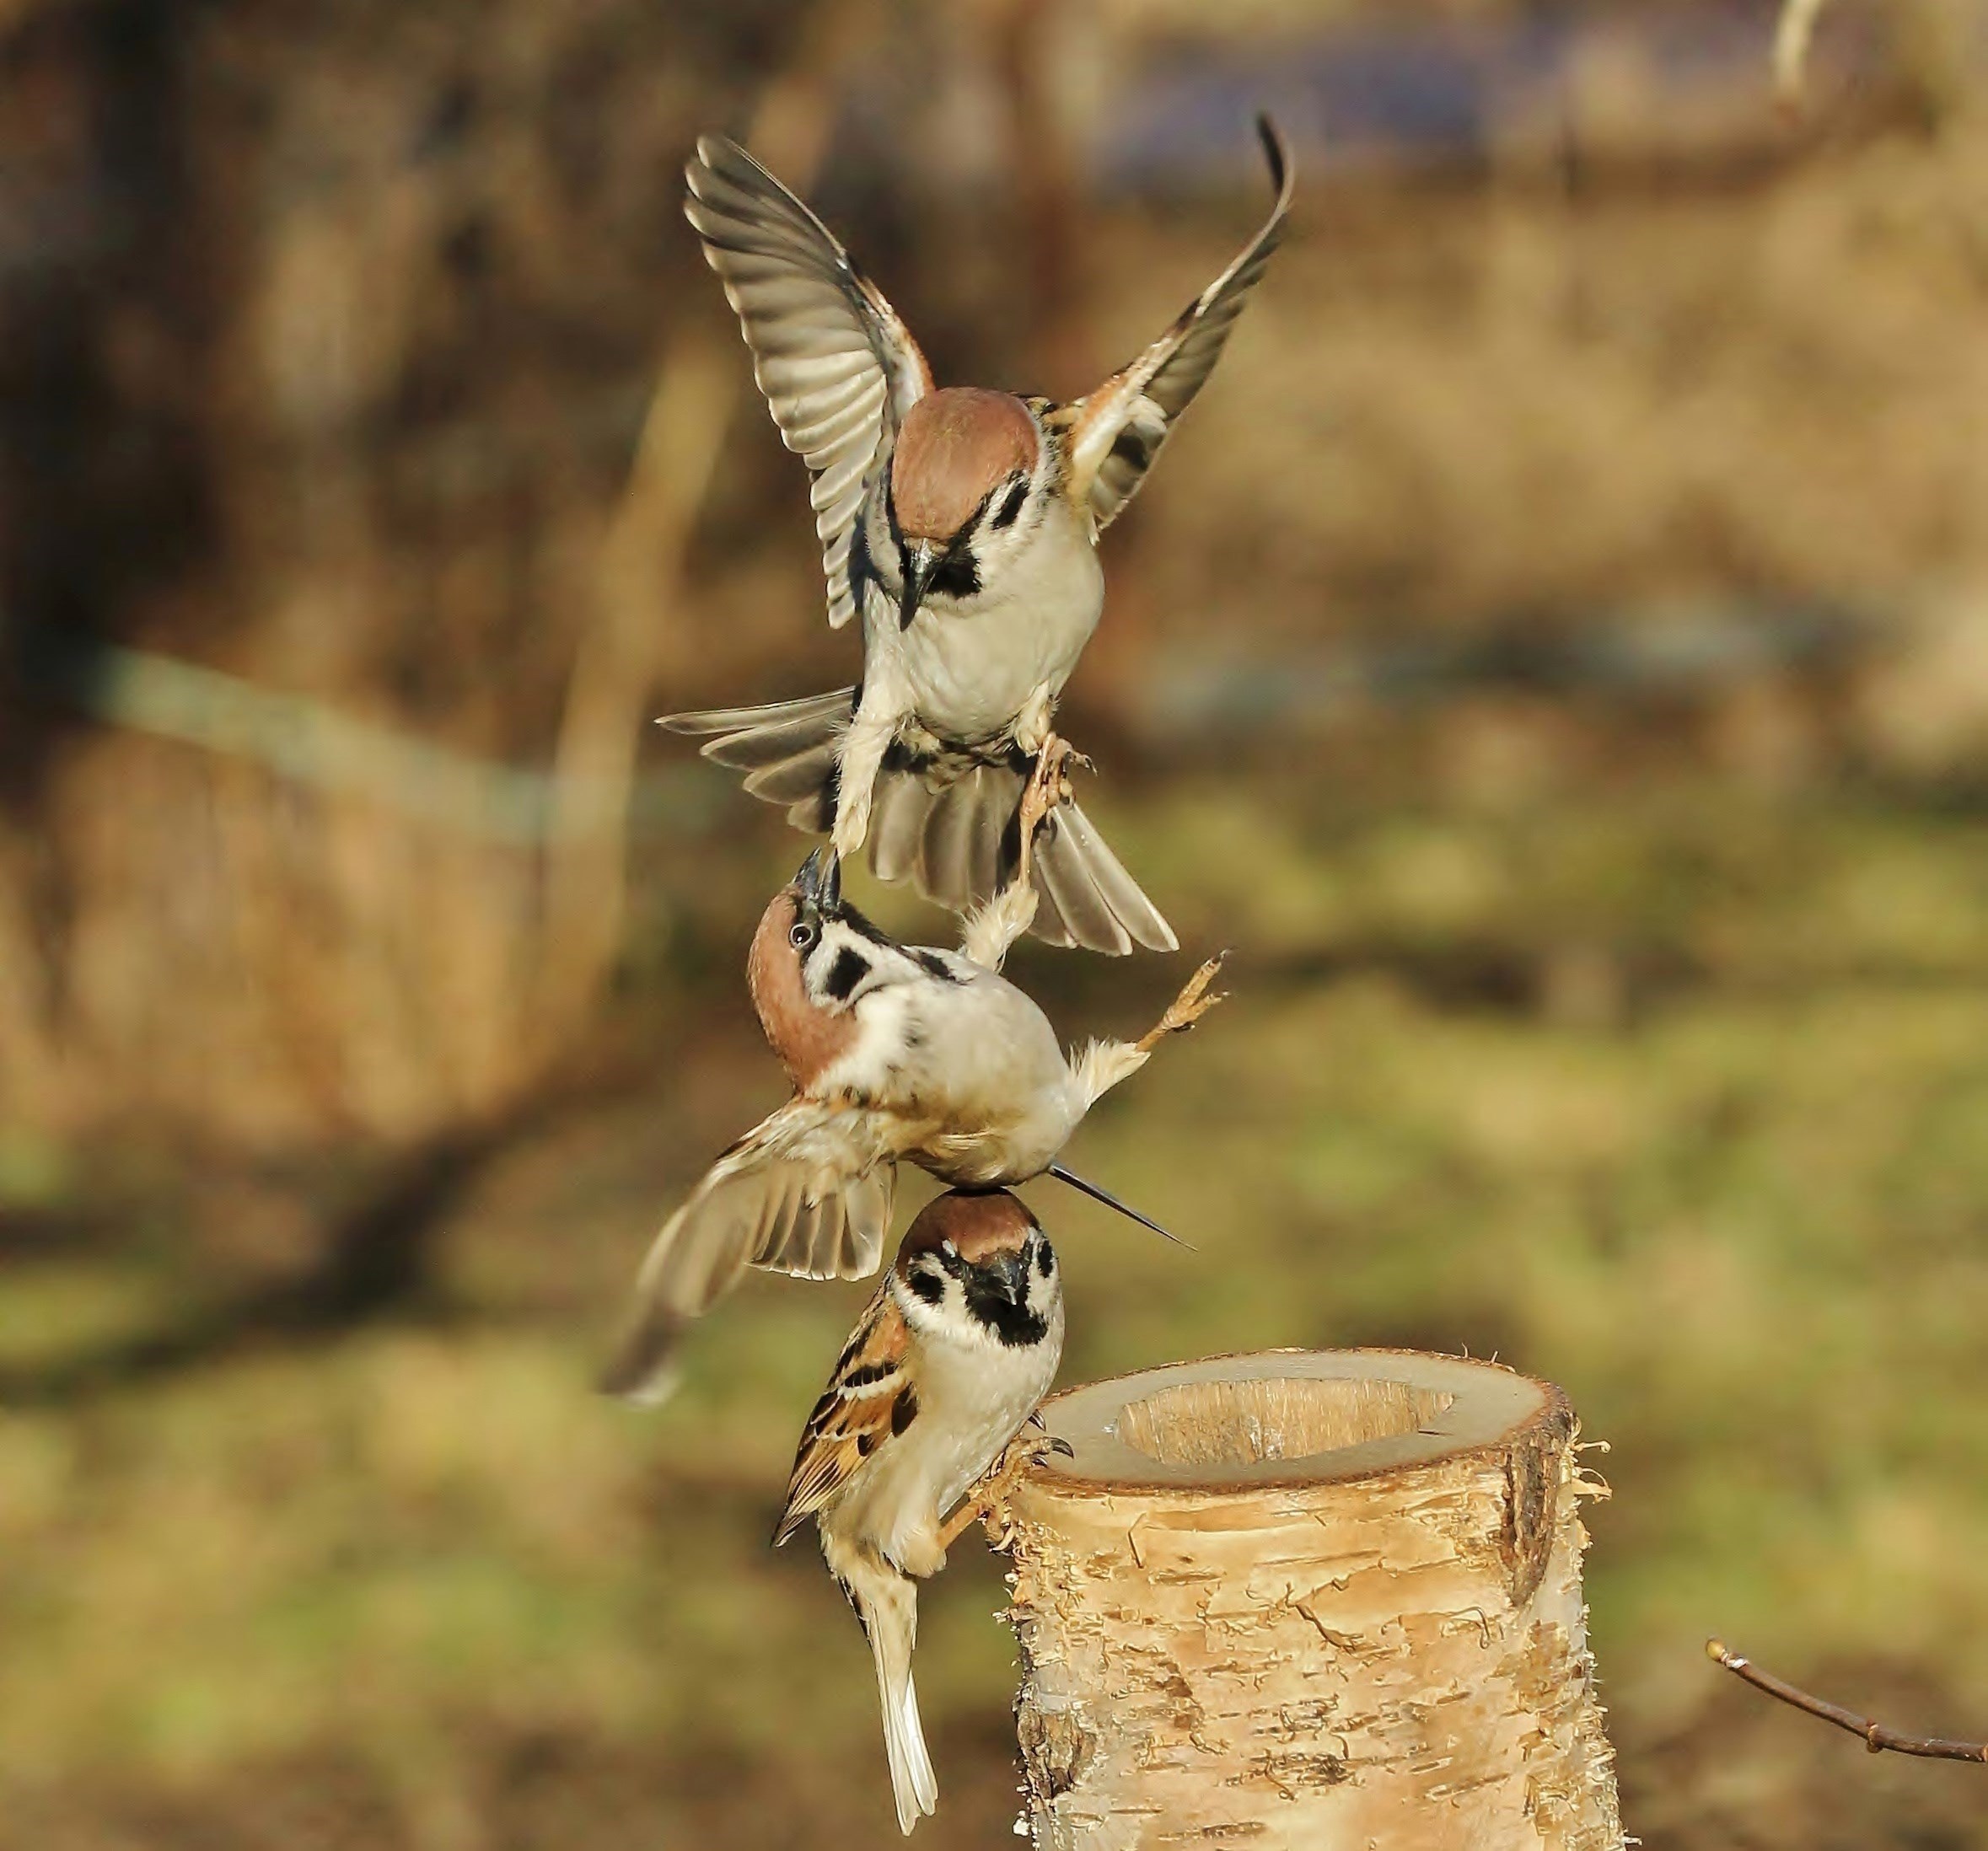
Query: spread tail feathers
x=803, y=1193
x=955, y=836
x=887, y=1603
x=946, y=822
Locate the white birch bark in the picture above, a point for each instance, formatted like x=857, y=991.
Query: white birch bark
x=1328, y=1600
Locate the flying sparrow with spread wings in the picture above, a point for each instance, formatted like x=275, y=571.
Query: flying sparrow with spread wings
x=897, y=1052
x=961, y=525
x=941, y=1374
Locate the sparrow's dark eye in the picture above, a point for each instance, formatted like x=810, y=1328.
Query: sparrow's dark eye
x=801, y=937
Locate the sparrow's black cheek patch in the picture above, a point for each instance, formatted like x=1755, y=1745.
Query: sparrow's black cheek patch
x=957, y=575
x=928, y=1285
x=848, y=970
x=1010, y=510
x=1045, y=1260
x=904, y=1410
x=935, y=966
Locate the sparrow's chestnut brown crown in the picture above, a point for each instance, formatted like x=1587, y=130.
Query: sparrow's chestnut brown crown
x=956, y=446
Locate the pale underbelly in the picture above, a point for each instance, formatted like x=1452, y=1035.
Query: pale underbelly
x=975, y=676
x=1006, y=1122
x=972, y=675
x=1007, y=1150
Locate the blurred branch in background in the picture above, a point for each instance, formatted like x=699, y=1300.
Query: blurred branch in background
x=641, y=626
x=1934, y=48
x=1792, y=32
x=1043, y=158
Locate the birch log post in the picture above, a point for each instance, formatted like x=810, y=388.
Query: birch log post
x=1323, y=1600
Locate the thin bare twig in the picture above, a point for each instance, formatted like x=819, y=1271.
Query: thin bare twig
x=1876, y=1737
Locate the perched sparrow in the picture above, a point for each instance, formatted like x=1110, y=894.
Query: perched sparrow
x=942, y=1372
x=963, y=525
x=896, y=1052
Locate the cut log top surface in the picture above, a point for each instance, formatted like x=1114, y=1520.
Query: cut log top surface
x=1287, y=1418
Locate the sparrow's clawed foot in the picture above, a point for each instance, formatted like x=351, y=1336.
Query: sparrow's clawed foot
x=1047, y=1444
x=1057, y=759
x=1048, y=785
x=1028, y=1448
x=1188, y=1008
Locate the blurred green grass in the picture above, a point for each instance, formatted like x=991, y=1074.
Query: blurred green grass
x=1672, y=1092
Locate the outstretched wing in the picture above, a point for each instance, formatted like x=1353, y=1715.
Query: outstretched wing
x=1118, y=429
x=869, y=1398
x=830, y=354
x=806, y=1191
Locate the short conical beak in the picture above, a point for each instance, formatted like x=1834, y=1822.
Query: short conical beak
x=1012, y=1272
x=921, y=562
x=819, y=881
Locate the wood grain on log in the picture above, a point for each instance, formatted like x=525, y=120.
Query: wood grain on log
x=1319, y=1600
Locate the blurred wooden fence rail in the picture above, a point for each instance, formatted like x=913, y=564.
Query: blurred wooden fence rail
x=1326, y=1600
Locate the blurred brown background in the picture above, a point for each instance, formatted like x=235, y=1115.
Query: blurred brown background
x=1554, y=653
